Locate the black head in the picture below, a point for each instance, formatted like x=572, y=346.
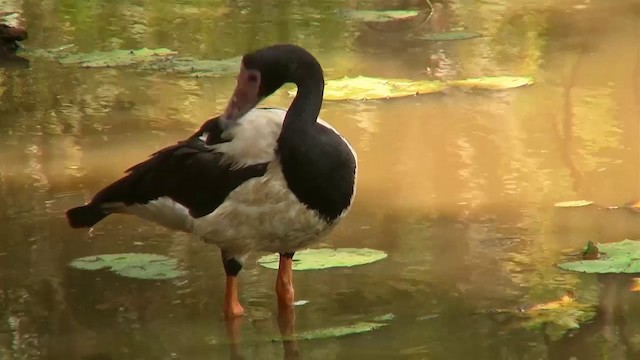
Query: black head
x=264, y=71
x=280, y=64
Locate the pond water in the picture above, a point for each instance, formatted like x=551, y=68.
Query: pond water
x=458, y=187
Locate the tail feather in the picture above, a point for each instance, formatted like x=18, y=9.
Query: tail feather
x=85, y=216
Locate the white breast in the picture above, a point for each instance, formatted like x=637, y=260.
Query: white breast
x=254, y=137
x=262, y=215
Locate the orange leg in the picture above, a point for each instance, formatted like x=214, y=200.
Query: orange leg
x=231, y=306
x=284, y=282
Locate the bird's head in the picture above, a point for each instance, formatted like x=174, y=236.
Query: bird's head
x=264, y=71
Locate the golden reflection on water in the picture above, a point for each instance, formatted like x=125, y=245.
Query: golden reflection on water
x=458, y=187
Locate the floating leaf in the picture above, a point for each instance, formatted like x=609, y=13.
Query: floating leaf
x=427, y=317
x=362, y=88
x=385, y=317
x=367, y=88
x=559, y=316
x=576, y=203
x=555, y=317
x=334, y=332
x=195, y=67
x=450, y=36
x=313, y=259
x=380, y=15
x=133, y=265
x=617, y=257
x=492, y=82
x=633, y=205
x=61, y=48
x=116, y=57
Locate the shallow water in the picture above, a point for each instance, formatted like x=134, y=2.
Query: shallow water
x=457, y=187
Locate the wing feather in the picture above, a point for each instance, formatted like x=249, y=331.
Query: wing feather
x=191, y=173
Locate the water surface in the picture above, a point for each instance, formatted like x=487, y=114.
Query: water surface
x=457, y=187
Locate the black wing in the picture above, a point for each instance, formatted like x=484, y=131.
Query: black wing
x=188, y=172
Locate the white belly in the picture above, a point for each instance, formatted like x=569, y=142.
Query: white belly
x=262, y=215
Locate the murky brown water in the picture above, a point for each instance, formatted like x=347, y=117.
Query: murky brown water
x=458, y=188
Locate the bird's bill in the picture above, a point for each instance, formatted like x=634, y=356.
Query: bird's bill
x=245, y=96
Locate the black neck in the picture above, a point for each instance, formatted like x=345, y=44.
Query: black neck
x=305, y=108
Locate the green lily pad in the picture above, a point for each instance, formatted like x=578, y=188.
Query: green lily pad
x=380, y=15
x=450, y=36
x=314, y=259
x=492, y=82
x=334, y=332
x=116, y=57
x=145, y=59
x=363, y=88
x=576, y=203
x=196, y=67
x=617, y=257
x=133, y=265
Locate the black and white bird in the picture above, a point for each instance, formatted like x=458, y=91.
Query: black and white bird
x=251, y=179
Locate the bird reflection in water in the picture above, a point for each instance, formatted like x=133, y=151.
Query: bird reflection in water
x=286, y=326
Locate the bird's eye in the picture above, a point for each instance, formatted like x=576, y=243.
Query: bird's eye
x=252, y=78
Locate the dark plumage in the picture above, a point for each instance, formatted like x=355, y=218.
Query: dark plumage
x=321, y=176
x=189, y=173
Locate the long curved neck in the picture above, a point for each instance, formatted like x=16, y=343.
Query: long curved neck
x=305, y=108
